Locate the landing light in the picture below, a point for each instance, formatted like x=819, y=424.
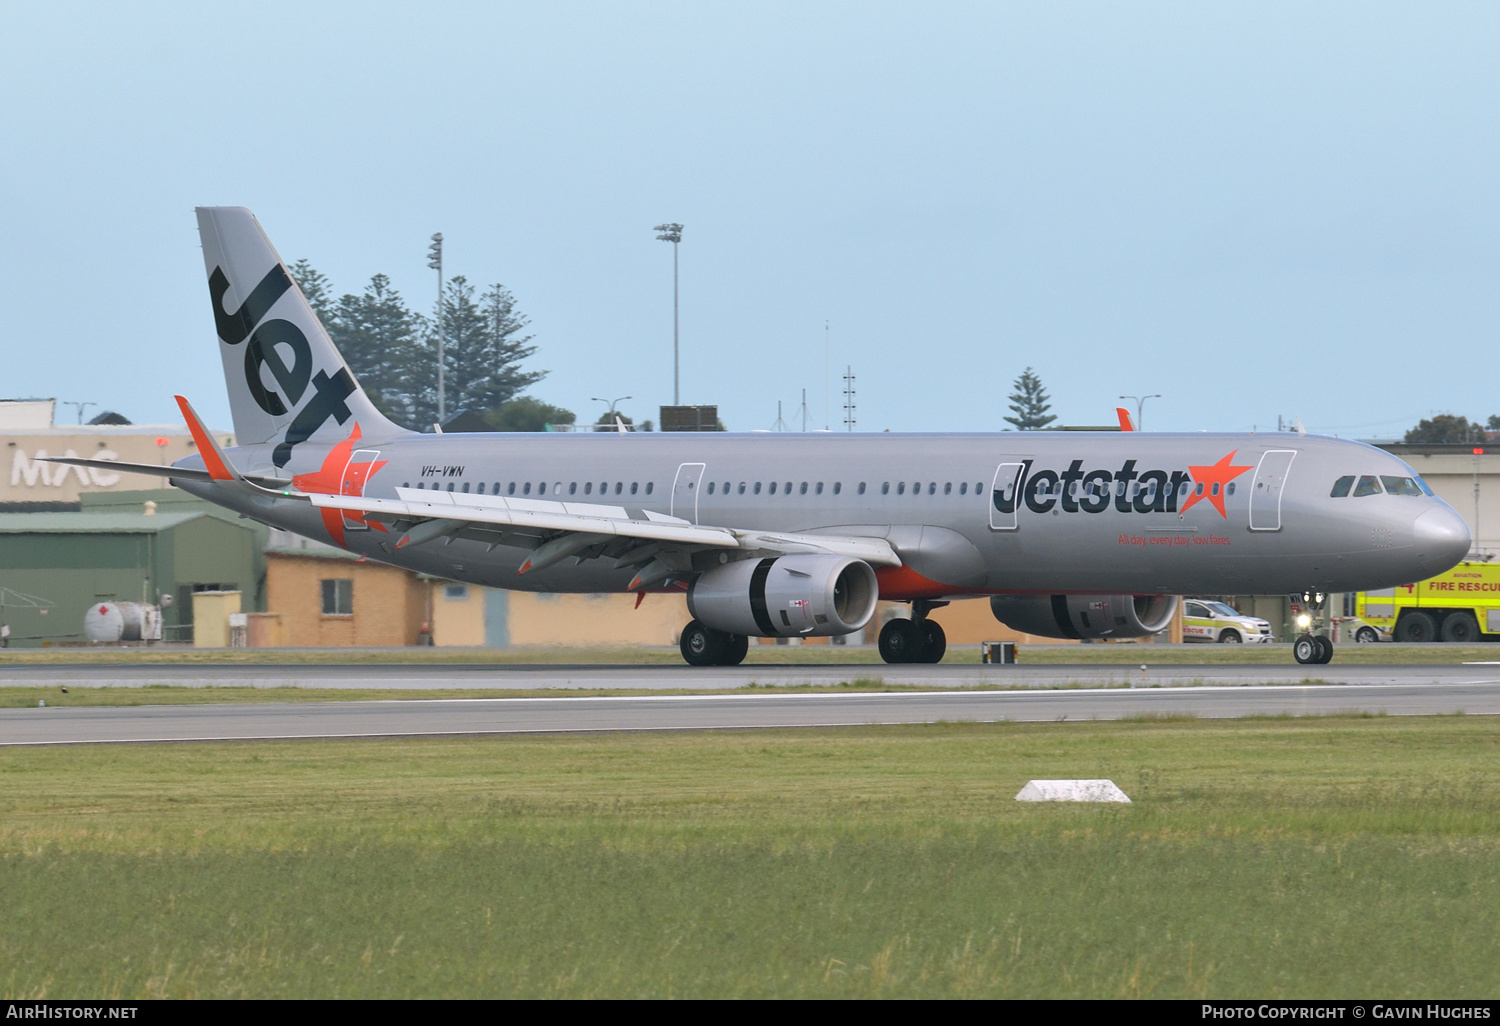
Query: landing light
x=1304, y=620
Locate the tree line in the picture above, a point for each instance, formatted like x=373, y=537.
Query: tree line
x=1447, y=428
x=393, y=349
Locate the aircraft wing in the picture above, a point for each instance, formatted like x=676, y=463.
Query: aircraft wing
x=557, y=530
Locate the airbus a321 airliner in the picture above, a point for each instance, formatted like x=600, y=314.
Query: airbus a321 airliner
x=1070, y=535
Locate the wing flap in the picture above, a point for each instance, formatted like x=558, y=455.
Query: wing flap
x=540, y=515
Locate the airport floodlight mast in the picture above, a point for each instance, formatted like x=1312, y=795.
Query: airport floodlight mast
x=1140, y=402
x=673, y=233
x=848, y=398
x=435, y=261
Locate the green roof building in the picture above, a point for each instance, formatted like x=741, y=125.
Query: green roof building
x=125, y=547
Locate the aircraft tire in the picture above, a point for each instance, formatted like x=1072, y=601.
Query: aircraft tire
x=935, y=641
x=1415, y=628
x=701, y=645
x=735, y=650
x=1325, y=649
x=1306, y=649
x=901, y=642
x=1460, y=628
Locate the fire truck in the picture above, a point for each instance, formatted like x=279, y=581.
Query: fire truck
x=1462, y=605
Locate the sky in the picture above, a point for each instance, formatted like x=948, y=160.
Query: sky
x=1257, y=210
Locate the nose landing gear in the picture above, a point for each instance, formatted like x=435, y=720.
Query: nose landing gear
x=1312, y=649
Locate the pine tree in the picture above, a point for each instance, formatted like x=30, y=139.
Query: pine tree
x=385, y=346
x=481, y=348
x=1029, y=403
x=316, y=288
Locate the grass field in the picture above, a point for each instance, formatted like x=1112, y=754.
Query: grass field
x=851, y=655
x=1281, y=857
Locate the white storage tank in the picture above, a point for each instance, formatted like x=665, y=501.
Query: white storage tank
x=112, y=622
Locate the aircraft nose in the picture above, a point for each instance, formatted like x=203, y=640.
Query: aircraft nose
x=1442, y=539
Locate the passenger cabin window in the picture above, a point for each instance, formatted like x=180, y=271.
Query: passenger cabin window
x=819, y=489
x=885, y=488
x=526, y=488
x=511, y=489
x=838, y=486
x=710, y=488
x=757, y=488
x=572, y=487
x=450, y=485
x=900, y=487
x=466, y=487
x=1368, y=485
x=741, y=488
x=963, y=488
x=932, y=488
x=948, y=488
x=788, y=488
x=861, y=488
x=619, y=487
x=802, y=490
x=636, y=484
x=773, y=487
x=1400, y=485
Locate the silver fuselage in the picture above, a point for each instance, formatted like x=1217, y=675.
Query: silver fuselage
x=969, y=514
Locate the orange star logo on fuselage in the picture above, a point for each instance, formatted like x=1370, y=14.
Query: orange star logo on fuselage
x=340, y=475
x=1214, y=480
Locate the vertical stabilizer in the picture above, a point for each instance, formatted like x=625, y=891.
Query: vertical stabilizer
x=287, y=382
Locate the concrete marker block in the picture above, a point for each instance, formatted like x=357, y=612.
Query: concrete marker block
x=1071, y=791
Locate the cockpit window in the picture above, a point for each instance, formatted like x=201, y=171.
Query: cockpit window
x=1400, y=485
x=1368, y=485
x=1341, y=487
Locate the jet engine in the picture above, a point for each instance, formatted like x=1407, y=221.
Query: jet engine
x=1085, y=616
x=791, y=596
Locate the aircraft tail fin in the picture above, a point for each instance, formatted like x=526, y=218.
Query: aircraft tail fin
x=1126, y=424
x=287, y=382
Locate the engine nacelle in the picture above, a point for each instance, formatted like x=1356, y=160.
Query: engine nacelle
x=1086, y=616
x=789, y=596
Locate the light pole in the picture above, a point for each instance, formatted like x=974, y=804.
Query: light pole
x=611, y=403
x=81, y=408
x=435, y=261
x=1140, y=401
x=673, y=233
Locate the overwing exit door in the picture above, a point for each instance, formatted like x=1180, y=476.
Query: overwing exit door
x=1005, y=495
x=685, y=491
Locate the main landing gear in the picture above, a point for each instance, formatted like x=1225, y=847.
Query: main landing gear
x=704, y=646
x=918, y=640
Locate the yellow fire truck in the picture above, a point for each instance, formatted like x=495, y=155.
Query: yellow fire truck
x=1462, y=605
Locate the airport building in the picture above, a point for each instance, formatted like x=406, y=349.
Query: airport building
x=157, y=548
x=30, y=431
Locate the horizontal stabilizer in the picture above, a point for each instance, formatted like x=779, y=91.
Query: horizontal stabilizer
x=181, y=473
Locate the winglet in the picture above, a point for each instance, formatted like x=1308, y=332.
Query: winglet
x=219, y=467
x=1124, y=415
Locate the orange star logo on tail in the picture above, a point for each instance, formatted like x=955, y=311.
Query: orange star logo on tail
x=1214, y=480
x=340, y=475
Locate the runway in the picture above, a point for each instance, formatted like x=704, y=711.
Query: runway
x=426, y=717
x=635, y=676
